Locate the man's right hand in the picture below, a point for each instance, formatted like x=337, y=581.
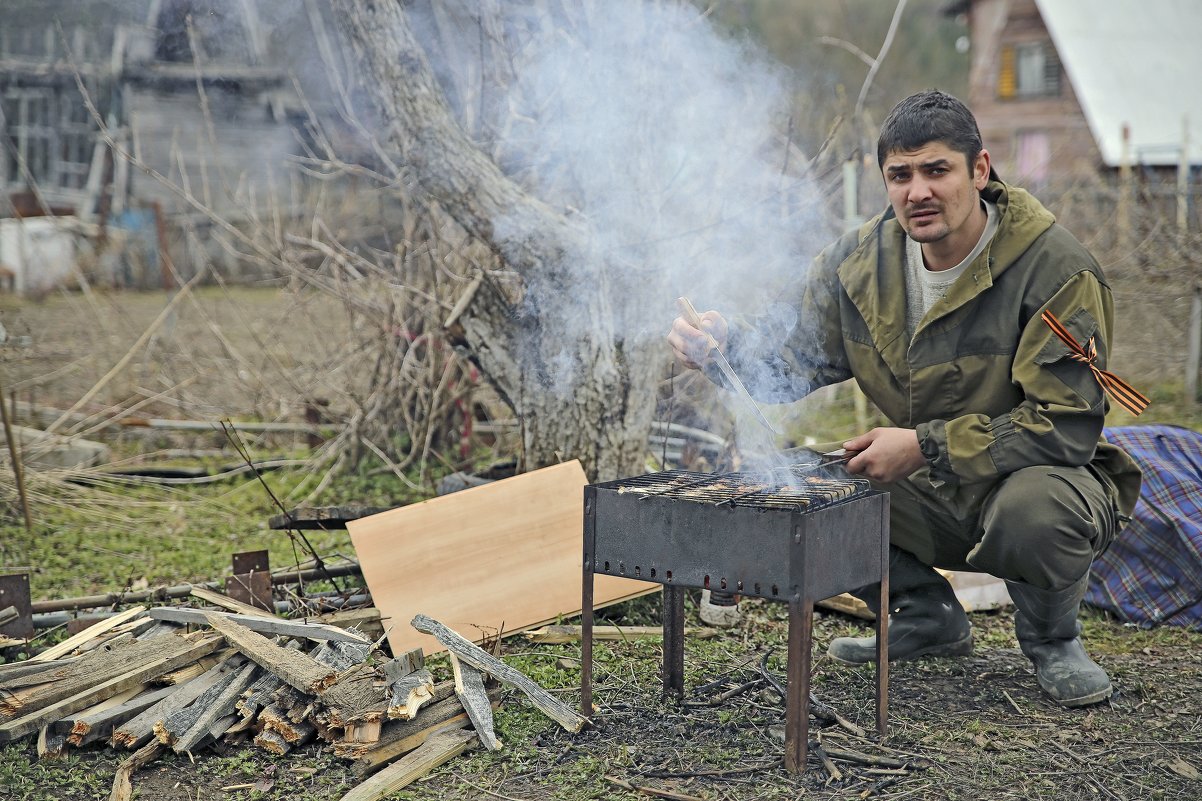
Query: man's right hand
x=690, y=345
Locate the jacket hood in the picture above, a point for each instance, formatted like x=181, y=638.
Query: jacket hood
x=1022, y=220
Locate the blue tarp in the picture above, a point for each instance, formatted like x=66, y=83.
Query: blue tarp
x=1152, y=572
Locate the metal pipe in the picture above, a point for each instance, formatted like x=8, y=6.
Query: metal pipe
x=50, y=620
x=183, y=590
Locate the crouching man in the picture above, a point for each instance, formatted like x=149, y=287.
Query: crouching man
x=981, y=329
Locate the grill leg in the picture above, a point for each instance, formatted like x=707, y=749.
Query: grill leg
x=673, y=640
x=882, y=633
x=797, y=702
x=586, y=639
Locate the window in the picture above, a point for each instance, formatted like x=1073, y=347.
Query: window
x=1029, y=70
x=45, y=135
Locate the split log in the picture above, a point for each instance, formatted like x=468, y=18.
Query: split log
x=408, y=693
x=187, y=650
x=270, y=740
x=363, y=732
x=220, y=708
x=123, y=789
x=99, y=724
x=136, y=731
x=475, y=656
x=294, y=733
x=359, y=696
x=443, y=746
x=469, y=689
x=260, y=624
x=557, y=635
x=169, y=728
x=402, y=736
x=296, y=669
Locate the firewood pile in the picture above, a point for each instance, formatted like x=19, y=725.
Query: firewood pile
x=184, y=679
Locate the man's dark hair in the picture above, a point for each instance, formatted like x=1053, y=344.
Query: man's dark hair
x=926, y=117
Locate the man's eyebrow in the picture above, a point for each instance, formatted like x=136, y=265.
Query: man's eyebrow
x=926, y=165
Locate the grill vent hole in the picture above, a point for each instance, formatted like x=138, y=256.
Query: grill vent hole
x=757, y=588
x=723, y=583
x=669, y=575
x=706, y=582
x=653, y=572
x=739, y=586
x=622, y=570
x=775, y=590
x=607, y=567
x=638, y=571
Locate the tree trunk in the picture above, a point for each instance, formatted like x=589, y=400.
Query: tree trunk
x=579, y=388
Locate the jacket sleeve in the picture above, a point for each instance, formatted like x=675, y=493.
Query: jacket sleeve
x=794, y=347
x=1063, y=408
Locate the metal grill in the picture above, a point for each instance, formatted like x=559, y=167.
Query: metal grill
x=777, y=489
x=792, y=535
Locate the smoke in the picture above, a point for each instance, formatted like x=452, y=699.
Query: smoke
x=668, y=142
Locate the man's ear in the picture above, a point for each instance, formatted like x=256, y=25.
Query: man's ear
x=980, y=169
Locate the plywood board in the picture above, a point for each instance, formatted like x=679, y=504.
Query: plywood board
x=505, y=554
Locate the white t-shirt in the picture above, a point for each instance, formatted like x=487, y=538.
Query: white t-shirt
x=925, y=288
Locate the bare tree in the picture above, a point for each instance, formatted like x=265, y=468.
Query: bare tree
x=579, y=387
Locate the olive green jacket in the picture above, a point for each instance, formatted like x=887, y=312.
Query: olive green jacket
x=985, y=383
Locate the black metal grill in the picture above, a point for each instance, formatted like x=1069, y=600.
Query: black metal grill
x=777, y=489
x=793, y=535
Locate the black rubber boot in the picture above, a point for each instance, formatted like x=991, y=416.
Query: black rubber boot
x=1047, y=628
x=925, y=617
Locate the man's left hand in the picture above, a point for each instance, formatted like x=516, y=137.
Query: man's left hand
x=885, y=454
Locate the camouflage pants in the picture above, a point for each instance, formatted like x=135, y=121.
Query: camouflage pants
x=1041, y=525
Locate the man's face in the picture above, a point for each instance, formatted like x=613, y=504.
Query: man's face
x=934, y=194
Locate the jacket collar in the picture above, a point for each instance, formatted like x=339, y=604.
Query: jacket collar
x=874, y=274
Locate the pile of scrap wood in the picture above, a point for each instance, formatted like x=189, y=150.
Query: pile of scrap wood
x=144, y=682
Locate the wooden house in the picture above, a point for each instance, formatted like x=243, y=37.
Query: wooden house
x=1066, y=91
x=208, y=98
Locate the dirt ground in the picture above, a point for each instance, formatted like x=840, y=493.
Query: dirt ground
x=968, y=728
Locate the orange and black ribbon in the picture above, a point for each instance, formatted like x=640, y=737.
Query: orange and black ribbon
x=1127, y=396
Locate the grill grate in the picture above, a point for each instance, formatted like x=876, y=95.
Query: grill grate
x=776, y=489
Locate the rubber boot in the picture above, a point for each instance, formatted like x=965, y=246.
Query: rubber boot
x=925, y=617
x=1047, y=628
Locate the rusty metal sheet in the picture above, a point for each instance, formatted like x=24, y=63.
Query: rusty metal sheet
x=14, y=591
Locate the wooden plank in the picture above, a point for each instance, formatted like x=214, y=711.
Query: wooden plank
x=95, y=630
x=469, y=689
x=258, y=623
x=296, y=669
x=100, y=725
x=92, y=669
x=475, y=656
x=426, y=757
x=556, y=635
x=230, y=604
x=516, y=543
x=67, y=724
x=30, y=723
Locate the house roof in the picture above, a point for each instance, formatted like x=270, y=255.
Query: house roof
x=1133, y=62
